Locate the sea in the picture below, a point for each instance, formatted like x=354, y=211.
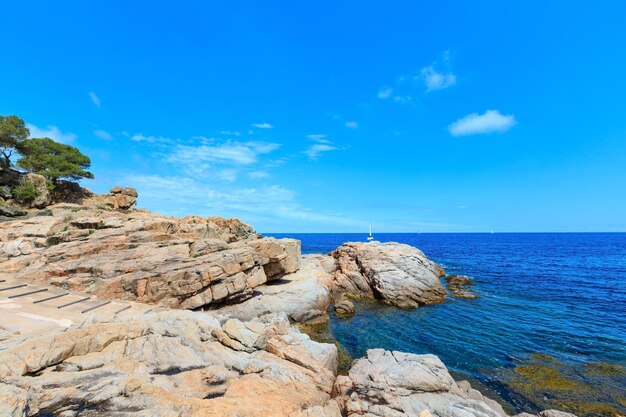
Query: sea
x=545, y=299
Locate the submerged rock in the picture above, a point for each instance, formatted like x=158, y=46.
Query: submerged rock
x=458, y=284
x=393, y=273
x=344, y=308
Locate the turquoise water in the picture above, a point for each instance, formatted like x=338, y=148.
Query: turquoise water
x=563, y=295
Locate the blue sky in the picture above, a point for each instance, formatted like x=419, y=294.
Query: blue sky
x=325, y=116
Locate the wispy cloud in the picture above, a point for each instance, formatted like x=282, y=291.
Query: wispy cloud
x=51, y=132
x=263, y=126
x=230, y=154
x=318, y=137
x=94, y=98
x=103, y=134
x=351, y=124
x=259, y=175
x=489, y=122
x=439, y=75
x=230, y=133
x=314, y=151
x=385, y=92
x=270, y=204
x=435, y=80
x=140, y=137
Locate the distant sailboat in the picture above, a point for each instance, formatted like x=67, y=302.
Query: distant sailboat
x=370, y=237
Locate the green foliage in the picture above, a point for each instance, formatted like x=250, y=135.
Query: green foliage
x=13, y=133
x=54, y=160
x=25, y=192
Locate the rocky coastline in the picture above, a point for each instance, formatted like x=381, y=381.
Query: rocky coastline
x=203, y=323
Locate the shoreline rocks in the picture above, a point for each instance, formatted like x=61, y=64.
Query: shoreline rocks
x=392, y=273
x=181, y=263
x=458, y=285
x=174, y=363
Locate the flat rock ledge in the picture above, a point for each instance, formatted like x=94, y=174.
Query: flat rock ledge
x=392, y=273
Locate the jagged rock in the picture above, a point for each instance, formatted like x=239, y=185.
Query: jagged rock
x=458, y=284
x=402, y=384
x=279, y=257
x=8, y=211
x=555, y=413
x=168, y=364
x=118, y=199
x=43, y=197
x=5, y=192
x=303, y=295
x=394, y=273
x=344, y=308
x=138, y=256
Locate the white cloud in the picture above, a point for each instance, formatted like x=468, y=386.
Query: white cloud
x=352, y=124
x=94, y=98
x=318, y=137
x=269, y=204
x=230, y=133
x=258, y=175
x=139, y=137
x=103, y=134
x=435, y=80
x=385, y=92
x=488, y=122
x=198, y=159
x=403, y=99
x=51, y=132
x=263, y=126
x=314, y=151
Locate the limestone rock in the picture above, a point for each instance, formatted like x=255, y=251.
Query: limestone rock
x=394, y=273
x=168, y=364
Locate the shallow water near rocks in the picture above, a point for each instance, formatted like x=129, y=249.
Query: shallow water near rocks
x=560, y=296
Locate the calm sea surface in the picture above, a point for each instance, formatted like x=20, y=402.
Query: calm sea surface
x=560, y=294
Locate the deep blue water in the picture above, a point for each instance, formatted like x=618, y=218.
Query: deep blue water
x=561, y=294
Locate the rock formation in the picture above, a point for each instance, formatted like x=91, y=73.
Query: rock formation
x=185, y=263
x=304, y=295
x=174, y=363
x=458, y=285
x=118, y=198
x=393, y=273
x=398, y=384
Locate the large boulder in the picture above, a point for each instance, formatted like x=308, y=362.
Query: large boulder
x=43, y=197
x=172, y=363
x=393, y=273
x=278, y=256
x=397, y=384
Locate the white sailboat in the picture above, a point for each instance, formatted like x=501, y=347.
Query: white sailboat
x=370, y=237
